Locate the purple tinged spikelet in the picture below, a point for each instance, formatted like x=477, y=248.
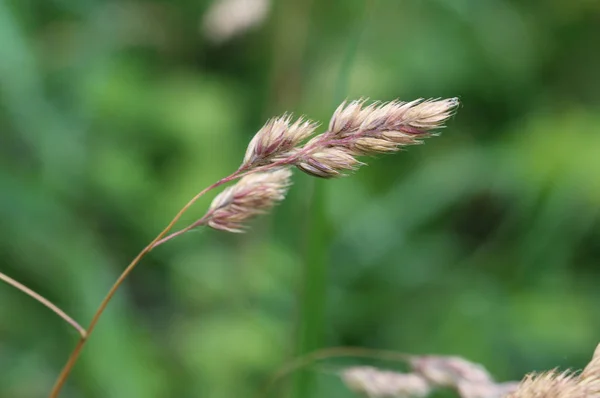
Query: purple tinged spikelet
x=253, y=194
x=415, y=117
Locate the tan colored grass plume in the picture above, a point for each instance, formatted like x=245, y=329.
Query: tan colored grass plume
x=358, y=130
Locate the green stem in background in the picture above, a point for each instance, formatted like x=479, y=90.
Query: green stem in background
x=44, y=301
x=314, y=294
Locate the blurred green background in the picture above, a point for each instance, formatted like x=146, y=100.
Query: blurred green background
x=483, y=243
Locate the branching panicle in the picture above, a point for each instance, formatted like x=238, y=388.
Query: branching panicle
x=355, y=130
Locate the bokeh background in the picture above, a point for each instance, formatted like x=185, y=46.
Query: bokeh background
x=484, y=243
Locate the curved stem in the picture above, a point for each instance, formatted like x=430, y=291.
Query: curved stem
x=332, y=352
x=77, y=351
x=45, y=302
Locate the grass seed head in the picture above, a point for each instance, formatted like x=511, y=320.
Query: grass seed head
x=551, y=384
x=416, y=117
x=253, y=194
x=357, y=129
x=554, y=384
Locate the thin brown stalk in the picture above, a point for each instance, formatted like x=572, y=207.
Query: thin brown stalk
x=66, y=371
x=44, y=301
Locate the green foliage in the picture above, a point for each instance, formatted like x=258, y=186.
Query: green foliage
x=482, y=243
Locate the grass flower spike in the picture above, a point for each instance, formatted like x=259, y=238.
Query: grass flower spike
x=359, y=130
x=415, y=117
x=252, y=195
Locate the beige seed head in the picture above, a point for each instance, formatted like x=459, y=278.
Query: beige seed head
x=592, y=370
x=359, y=130
x=276, y=139
x=253, y=194
x=416, y=117
x=226, y=19
x=430, y=114
x=450, y=371
x=562, y=385
x=385, y=127
x=375, y=383
x=550, y=385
